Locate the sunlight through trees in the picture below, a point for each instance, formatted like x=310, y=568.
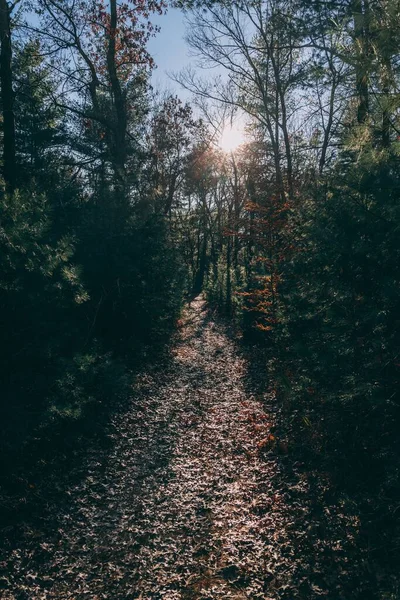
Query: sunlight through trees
x=272, y=197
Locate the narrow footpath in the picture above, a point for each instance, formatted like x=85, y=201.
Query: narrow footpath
x=190, y=498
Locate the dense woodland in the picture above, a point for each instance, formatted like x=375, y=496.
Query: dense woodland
x=117, y=207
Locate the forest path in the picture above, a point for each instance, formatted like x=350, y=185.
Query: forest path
x=187, y=502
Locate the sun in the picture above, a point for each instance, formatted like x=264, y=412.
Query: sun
x=231, y=138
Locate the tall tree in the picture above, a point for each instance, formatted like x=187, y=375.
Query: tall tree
x=101, y=57
x=7, y=95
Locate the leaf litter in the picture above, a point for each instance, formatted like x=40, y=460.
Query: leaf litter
x=192, y=499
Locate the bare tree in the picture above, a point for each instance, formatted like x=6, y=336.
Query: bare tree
x=254, y=44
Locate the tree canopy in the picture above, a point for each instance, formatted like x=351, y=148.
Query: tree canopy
x=118, y=205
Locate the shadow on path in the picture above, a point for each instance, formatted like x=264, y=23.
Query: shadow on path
x=189, y=496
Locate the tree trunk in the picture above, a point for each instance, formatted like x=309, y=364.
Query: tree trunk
x=120, y=151
x=201, y=272
x=328, y=128
x=236, y=217
x=7, y=98
x=386, y=89
x=361, y=34
x=202, y=249
x=228, y=305
x=284, y=124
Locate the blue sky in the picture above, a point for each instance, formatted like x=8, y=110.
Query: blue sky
x=170, y=50
x=171, y=55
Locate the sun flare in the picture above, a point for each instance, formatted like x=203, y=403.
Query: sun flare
x=232, y=137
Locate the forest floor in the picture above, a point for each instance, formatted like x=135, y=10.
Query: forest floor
x=195, y=495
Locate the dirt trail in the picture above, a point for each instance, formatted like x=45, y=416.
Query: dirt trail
x=186, y=503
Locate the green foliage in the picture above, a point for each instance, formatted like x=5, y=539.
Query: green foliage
x=40, y=293
x=86, y=380
x=133, y=276
x=341, y=295
x=91, y=278
x=223, y=288
x=37, y=273
x=40, y=125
